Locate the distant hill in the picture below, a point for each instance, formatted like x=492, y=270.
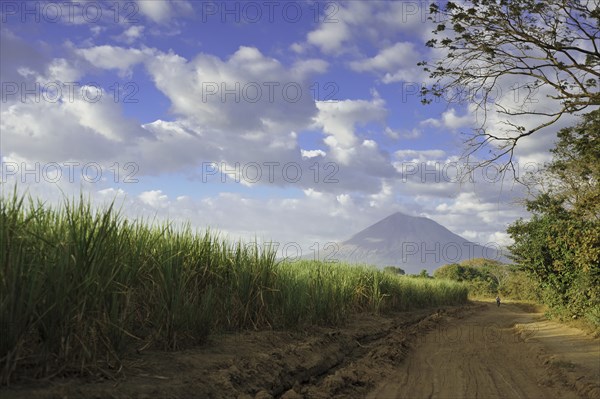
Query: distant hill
x=412, y=243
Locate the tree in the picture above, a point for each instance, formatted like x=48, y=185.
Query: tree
x=394, y=270
x=491, y=269
x=560, y=244
x=548, y=46
x=576, y=167
x=457, y=272
x=483, y=276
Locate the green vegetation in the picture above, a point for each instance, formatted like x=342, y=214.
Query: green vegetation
x=423, y=274
x=80, y=288
x=487, y=277
x=560, y=245
x=394, y=270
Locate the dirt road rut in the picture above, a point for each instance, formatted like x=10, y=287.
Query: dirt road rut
x=472, y=351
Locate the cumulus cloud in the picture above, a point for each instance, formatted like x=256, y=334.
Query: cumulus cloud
x=395, y=63
x=358, y=180
x=112, y=57
x=131, y=34
x=452, y=121
x=339, y=118
x=312, y=153
x=330, y=37
x=69, y=129
x=154, y=198
x=163, y=11
x=210, y=127
x=343, y=25
x=420, y=155
x=248, y=92
x=156, y=10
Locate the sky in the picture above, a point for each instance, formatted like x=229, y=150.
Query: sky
x=298, y=122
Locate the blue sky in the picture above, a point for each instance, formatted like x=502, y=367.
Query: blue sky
x=291, y=121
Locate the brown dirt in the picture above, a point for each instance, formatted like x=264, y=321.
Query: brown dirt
x=505, y=352
x=471, y=351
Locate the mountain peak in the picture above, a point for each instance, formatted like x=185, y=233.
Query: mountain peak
x=400, y=216
x=411, y=242
x=397, y=224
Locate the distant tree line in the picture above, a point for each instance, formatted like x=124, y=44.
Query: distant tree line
x=487, y=277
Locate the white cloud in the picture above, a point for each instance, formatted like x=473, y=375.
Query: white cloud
x=452, y=121
x=468, y=203
x=131, y=34
x=97, y=30
x=74, y=129
x=297, y=48
x=413, y=133
x=500, y=238
x=312, y=153
x=377, y=21
x=395, y=63
x=154, y=198
x=310, y=67
x=469, y=235
x=430, y=122
x=383, y=198
x=371, y=144
x=111, y=57
x=344, y=199
x=330, y=37
x=156, y=10
x=358, y=183
x=61, y=70
x=267, y=97
x=420, y=155
x=339, y=118
x=206, y=131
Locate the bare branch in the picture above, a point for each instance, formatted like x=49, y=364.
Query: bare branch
x=550, y=45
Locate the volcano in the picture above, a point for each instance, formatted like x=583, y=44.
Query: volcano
x=411, y=243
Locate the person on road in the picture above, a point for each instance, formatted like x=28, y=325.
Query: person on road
x=498, y=300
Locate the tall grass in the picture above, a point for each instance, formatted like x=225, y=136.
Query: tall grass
x=80, y=287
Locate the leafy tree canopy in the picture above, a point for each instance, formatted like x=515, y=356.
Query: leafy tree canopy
x=560, y=244
x=394, y=270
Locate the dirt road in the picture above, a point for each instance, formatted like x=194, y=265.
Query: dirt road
x=483, y=357
x=473, y=351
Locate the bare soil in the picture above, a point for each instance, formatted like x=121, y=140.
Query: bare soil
x=472, y=351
